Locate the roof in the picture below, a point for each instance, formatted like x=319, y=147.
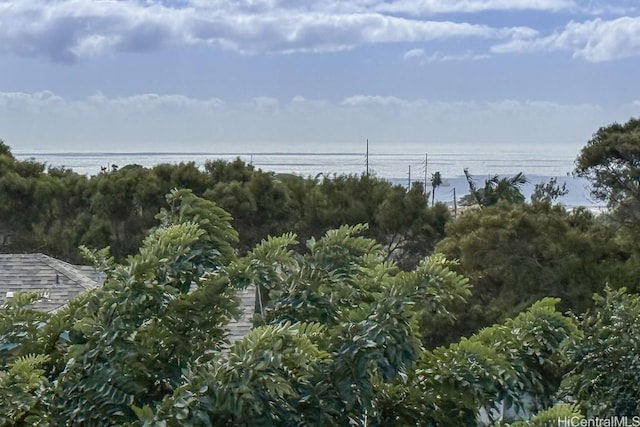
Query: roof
x=239, y=328
x=61, y=282
x=58, y=281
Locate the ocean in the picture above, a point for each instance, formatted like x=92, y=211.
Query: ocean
x=539, y=165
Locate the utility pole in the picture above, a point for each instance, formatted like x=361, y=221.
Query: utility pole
x=426, y=158
x=455, y=204
x=409, y=186
x=366, y=159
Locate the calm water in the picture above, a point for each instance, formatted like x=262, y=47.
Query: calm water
x=538, y=166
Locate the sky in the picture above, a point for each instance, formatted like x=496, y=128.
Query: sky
x=314, y=76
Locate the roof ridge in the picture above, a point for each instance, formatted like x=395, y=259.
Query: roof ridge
x=69, y=271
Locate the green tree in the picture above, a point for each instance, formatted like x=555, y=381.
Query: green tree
x=123, y=205
x=5, y=150
x=65, y=217
x=223, y=171
x=22, y=386
x=436, y=181
x=182, y=175
x=517, y=254
x=337, y=339
x=257, y=201
x=548, y=192
x=494, y=190
x=605, y=359
x=401, y=221
x=20, y=205
x=611, y=162
x=517, y=365
x=407, y=227
x=135, y=335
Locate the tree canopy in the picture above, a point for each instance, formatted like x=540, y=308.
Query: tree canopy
x=55, y=210
x=611, y=162
x=338, y=341
x=495, y=189
x=374, y=308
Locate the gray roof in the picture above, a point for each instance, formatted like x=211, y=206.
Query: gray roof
x=239, y=328
x=58, y=281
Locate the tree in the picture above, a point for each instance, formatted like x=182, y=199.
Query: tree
x=517, y=254
x=494, y=190
x=400, y=220
x=357, y=361
x=182, y=175
x=65, y=218
x=436, y=181
x=611, y=162
x=5, y=150
x=223, y=171
x=605, y=357
x=56, y=210
x=132, y=338
x=337, y=340
x=20, y=204
x=22, y=377
x=123, y=204
x=548, y=192
x=516, y=365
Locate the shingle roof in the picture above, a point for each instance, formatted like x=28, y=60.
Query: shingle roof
x=239, y=328
x=60, y=282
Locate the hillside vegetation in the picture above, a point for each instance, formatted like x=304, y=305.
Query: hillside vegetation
x=378, y=308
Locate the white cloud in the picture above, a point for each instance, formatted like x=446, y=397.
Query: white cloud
x=153, y=101
x=66, y=30
x=30, y=102
x=421, y=56
x=376, y=101
x=429, y=7
x=467, y=56
x=435, y=7
x=595, y=40
x=414, y=53
x=265, y=103
x=610, y=7
x=409, y=7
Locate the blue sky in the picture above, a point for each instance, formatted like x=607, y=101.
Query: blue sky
x=323, y=75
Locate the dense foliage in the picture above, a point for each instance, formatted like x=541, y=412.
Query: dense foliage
x=337, y=343
x=517, y=254
x=605, y=360
x=495, y=189
x=413, y=319
x=54, y=210
x=611, y=161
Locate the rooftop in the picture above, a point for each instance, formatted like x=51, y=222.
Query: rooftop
x=59, y=282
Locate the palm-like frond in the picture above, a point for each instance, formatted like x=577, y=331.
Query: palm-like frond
x=496, y=189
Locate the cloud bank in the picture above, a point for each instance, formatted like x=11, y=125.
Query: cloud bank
x=594, y=40
x=69, y=30
x=155, y=122
x=66, y=30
